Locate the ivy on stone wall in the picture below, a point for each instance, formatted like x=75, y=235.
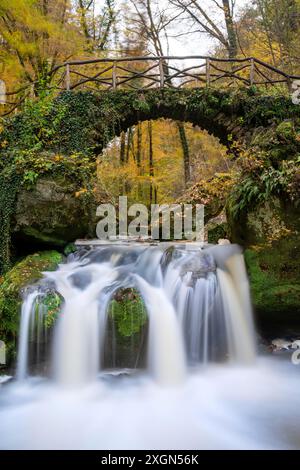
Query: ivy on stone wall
x=9, y=185
x=86, y=121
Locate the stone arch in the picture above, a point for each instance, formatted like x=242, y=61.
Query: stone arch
x=82, y=123
x=210, y=111
x=93, y=119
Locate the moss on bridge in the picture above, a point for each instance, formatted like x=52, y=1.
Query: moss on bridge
x=86, y=121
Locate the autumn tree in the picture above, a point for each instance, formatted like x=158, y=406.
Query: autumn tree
x=35, y=36
x=203, y=20
x=97, y=27
x=153, y=21
x=269, y=29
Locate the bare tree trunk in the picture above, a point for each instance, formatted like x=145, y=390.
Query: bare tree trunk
x=109, y=23
x=151, y=167
x=185, y=151
x=231, y=33
x=128, y=145
x=83, y=20
x=139, y=145
x=122, y=148
x=267, y=30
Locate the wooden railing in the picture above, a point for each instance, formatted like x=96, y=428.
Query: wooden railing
x=142, y=73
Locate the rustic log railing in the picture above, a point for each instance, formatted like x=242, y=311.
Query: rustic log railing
x=142, y=73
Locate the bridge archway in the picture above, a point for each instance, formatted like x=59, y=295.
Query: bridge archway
x=158, y=161
x=93, y=119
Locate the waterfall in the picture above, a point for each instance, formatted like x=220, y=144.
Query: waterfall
x=166, y=349
x=210, y=292
x=26, y=313
x=237, y=305
x=197, y=302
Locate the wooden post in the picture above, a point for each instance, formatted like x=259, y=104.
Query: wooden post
x=2, y=92
x=68, y=80
x=161, y=73
x=289, y=83
x=251, y=71
x=207, y=71
x=114, y=77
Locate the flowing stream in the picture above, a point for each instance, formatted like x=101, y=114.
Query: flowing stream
x=192, y=378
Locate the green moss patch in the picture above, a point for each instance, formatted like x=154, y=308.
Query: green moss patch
x=127, y=310
x=275, y=282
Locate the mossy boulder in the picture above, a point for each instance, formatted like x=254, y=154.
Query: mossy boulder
x=53, y=213
x=271, y=235
x=212, y=193
x=217, y=228
x=128, y=311
x=126, y=335
x=274, y=220
x=24, y=273
x=275, y=285
x=286, y=131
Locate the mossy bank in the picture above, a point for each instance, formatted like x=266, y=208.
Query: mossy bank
x=26, y=272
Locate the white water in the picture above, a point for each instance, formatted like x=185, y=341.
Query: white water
x=26, y=313
x=166, y=347
x=236, y=301
x=199, y=313
x=216, y=408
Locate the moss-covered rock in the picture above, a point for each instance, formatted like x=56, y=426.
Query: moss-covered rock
x=24, y=273
x=212, y=193
x=275, y=284
x=217, y=228
x=274, y=220
x=271, y=235
x=128, y=311
x=126, y=334
x=53, y=213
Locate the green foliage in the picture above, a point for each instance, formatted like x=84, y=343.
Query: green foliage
x=128, y=312
x=38, y=123
x=53, y=302
x=256, y=188
x=9, y=185
x=217, y=232
x=29, y=178
x=274, y=278
x=285, y=131
x=70, y=248
x=261, y=110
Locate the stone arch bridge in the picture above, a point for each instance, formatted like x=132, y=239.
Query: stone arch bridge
x=97, y=100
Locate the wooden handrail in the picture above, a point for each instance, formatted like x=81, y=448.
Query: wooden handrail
x=159, y=62
x=215, y=70
x=188, y=57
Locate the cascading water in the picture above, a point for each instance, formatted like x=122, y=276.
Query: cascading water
x=201, y=376
x=209, y=289
x=196, y=311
